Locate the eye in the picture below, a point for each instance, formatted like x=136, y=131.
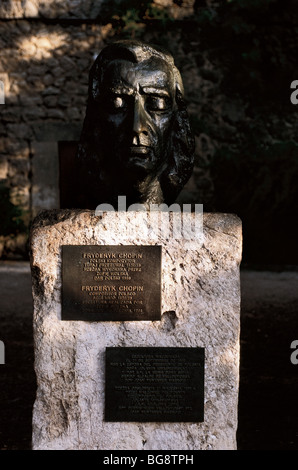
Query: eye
x=157, y=103
x=118, y=102
x=115, y=103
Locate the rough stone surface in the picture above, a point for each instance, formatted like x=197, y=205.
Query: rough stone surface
x=50, y=8
x=80, y=9
x=45, y=64
x=200, y=283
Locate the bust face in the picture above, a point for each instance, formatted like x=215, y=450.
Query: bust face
x=138, y=108
x=136, y=139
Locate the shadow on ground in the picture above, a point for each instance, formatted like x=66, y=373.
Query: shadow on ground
x=268, y=412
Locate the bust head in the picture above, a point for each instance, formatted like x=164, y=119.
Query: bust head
x=136, y=139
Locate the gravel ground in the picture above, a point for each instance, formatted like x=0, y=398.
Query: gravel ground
x=268, y=412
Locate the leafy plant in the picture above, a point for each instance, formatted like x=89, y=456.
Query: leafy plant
x=11, y=215
x=130, y=18
x=261, y=188
x=249, y=40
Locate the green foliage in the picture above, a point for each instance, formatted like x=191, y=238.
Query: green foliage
x=254, y=45
x=261, y=187
x=198, y=125
x=132, y=17
x=154, y=12
x=131, y=24
x=11, y=215
x=250, y=4
x=204, y=17
x=255, y=42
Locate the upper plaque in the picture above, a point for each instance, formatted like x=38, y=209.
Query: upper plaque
x=111, y=283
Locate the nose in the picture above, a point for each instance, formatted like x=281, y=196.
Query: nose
x=140, y=122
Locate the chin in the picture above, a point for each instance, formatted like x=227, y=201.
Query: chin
x=140, y=167
x=140, y=163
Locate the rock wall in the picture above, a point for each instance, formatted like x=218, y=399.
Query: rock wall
x=44, y=72
x=50, y=9
x=46, y=75
x=47, y=49
x=81, y=9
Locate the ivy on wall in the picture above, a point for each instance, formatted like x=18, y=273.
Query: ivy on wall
x=261, y=188
x=11, y=215
x=254, y=44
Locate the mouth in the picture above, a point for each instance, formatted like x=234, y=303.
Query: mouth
x=140, y=150
x=141, y=158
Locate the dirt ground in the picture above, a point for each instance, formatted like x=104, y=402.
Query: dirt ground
x=268, y=411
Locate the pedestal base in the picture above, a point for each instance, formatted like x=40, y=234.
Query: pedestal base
x=200, y=291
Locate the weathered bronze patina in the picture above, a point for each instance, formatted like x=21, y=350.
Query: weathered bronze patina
x=154, y=384
x=136, y=139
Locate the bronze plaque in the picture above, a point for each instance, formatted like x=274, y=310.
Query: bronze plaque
x=111, y=282
x=154, y=384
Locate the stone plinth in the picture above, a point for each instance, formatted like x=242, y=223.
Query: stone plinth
x=200, y=308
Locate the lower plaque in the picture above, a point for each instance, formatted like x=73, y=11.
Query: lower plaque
x=111, y=282
x=154, y=384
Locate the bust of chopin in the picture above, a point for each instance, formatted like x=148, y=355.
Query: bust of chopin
x=136, y=139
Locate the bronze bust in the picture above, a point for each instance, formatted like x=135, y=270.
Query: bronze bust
x=136, y=139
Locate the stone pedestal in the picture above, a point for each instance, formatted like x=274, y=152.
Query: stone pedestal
x=200, y=308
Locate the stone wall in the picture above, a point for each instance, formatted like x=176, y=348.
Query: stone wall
x=45, y=71
x=44, y=68
x=47, y=49
x=50, y=8
x=81, y=9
